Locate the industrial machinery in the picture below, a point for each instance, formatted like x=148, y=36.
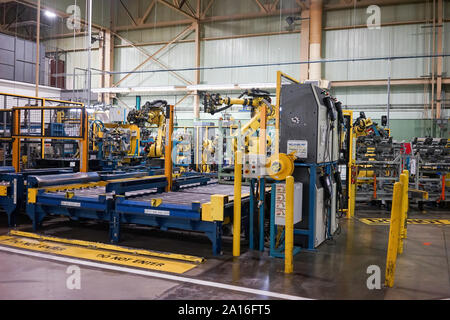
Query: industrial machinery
x=306, y=122
x=182, y=150
x=309, y=121
x=14, y=189
x=364, y=126
x=138, y=142
x=151, y=116
x=257, y=100
x=115, y=145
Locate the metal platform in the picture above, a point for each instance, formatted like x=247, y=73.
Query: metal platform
x=199, y=204
x=188, y=196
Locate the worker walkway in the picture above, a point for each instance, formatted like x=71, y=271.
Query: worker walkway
x=338, y=270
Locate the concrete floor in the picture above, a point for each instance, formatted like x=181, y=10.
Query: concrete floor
x=338, y=270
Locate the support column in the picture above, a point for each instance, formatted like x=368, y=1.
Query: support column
x=304, y=45
x=197, y=72
x=440, y=26
x=38, y=44
x=315, y=35
x=107, y=56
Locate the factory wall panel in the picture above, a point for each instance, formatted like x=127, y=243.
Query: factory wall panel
x=78, y=60
x=393, y=13
x=176, y=56
x=152, y=35
x=250, y=51
x=405, y=40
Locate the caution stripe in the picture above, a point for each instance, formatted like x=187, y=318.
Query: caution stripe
x=99, y=255
x=98, y=245
x=384, y=221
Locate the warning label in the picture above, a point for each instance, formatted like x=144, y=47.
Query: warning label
x=384, y=221
x=299, y=147
x=98, y=255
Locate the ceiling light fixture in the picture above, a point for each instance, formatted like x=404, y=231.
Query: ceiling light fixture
x=50, y=14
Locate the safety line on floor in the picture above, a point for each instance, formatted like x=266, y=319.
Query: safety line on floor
x=99, y=255
x=386, y=221
x=155, y=274
x=99, y=245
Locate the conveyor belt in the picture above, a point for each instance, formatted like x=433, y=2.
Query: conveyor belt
x=66, y=178
x=188, y=196
x=86, y=192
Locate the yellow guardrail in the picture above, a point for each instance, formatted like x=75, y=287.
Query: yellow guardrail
x=397, y=229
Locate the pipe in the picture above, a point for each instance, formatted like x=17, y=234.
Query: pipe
x=168, y=147
x=89, y=80
x=389, y=96
x=276, y=64
x=38, y=40
x=315, y=38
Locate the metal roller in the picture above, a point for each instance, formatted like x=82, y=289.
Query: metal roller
x=122, y=175
x=7, y=170
x=67, y=178
x=47, y=171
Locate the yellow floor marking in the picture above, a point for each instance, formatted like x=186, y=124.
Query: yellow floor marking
x=104, y=256
x=99, y=245
x=383, y=221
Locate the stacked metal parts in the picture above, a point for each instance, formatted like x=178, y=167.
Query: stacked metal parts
x=429, y=165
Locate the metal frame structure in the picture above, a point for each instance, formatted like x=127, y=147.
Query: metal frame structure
x=22, y=104
x=14, y=189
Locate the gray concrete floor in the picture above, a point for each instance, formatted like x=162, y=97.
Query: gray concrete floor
x=338, y=270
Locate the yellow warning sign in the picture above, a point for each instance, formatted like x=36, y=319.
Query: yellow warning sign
x=97, y=245
x=104, y=256
x=384, y=221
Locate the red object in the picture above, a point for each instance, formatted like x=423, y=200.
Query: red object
x=442, y=197
x=57, y=67
x=374, y=186
x=407, y=148
x=427, y=243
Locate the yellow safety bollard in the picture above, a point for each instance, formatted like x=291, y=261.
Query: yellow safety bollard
x=405, y=201
x=394, y=234
x=289, y=227
x=237, y=204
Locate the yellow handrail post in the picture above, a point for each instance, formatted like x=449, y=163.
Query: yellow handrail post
x=237, y=204
x=289, y=227
x=168, y=164
x=406, y=172
x=403, y=222
x=16, y=141
x=394, y=234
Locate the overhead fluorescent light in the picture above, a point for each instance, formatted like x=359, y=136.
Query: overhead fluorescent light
x=258, y=85
x=213, y=87
x=120, y=90
x=50, y=14
x=156, y=89
x=111, y=90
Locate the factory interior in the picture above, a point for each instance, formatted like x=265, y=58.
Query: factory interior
x=216, y=150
